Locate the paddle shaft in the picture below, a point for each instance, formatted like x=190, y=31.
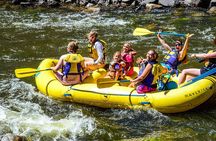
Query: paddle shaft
x=119, y=81
x=34, y=71
x=170, y=33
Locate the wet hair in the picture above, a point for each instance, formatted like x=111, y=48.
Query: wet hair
x=117, y=52
x=129, y=45
x=94, y=33
x=73, y=46
x=179, y=42
x=155, y=54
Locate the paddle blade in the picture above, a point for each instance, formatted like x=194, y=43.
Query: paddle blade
x=142, y=31
x=25, y=72
x=107, y=82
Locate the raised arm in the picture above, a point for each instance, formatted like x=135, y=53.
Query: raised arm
x=132, y=52
x=184, y=50
x=163, y=43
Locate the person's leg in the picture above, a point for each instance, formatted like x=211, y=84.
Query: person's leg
x=88, y=63
x=193, y=72
x=71, y=80
x=86, y=74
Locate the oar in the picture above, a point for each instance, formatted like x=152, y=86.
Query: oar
x=107, y=82
x=143, y=31
x=208, y=73
x=27, y=72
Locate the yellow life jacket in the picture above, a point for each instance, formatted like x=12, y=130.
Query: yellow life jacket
x=207, y=62
x=157, y=71
x=93, y=52
x=74, y=62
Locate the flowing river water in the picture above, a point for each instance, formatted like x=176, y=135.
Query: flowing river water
x=29, y=36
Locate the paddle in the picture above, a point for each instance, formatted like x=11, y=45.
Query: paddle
x=27, y=72
x=208, y=73
x=107, y=82
x=143, y=31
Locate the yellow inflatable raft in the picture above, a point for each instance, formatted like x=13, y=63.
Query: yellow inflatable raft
x=117, y=96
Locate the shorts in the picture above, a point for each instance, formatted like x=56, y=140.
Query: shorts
x=205, y=69
x=143, y=89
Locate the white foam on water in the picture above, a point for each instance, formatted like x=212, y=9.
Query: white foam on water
x=25, y=116
x=60, y=20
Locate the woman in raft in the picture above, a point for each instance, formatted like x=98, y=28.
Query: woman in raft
x=210, y=63
x=149, y=72
x=72, y=65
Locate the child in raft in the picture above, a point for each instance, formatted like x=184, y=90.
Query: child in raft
x=116, y=67
x=127, y=54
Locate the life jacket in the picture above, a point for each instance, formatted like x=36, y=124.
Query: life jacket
x=157, y=71
x=152, y=77
x=164, y=83
x=210, y=63
x=73, y=65
x=115, y=66
x=93, y=52
x=171, y=61
x=128, y=59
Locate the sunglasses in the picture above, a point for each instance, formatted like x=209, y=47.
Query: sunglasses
x=178, y=44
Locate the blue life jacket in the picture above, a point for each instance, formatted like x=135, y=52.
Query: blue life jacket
x=210, y=64
x=172, y=59
x=150, y=77
x=73, y=65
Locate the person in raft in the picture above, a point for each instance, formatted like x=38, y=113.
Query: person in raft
x=210, y=63
x=72, y=65
x=128, y=54
x=96, y=50
x=149, y=72
x=116, y=67
x=175, y=56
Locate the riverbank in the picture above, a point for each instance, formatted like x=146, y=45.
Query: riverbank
x=209, y=6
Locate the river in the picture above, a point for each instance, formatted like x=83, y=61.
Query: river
x=28, y=36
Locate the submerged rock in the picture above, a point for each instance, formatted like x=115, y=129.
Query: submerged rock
x=212, y=10
x=171, y=3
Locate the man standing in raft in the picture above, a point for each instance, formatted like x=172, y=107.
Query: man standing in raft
x=96, y=50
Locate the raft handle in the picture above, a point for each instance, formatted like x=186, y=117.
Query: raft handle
x=144, y=103
x=66, y=95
